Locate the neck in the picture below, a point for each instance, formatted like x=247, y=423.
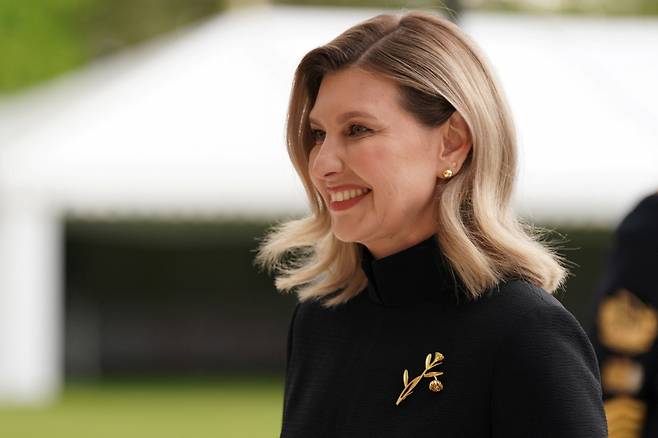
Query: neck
x=390, y=245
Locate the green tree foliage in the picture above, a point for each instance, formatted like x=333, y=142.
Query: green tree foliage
x=40, y=39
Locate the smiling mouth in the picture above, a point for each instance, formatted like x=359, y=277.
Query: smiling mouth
x=348, y=203
x=346, y=195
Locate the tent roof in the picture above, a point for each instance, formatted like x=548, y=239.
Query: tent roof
x=194, y=122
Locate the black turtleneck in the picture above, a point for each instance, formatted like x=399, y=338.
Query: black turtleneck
x=515, y=362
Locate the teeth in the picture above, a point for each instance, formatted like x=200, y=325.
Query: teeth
x=347, y=194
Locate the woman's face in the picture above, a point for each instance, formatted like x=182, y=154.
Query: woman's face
x=365, y=140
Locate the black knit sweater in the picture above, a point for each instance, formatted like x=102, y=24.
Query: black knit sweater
x=515, y=363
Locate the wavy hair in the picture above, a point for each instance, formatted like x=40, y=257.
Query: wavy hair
x=439, y=70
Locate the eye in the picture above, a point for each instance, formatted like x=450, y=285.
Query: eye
x=318, y=135
x=358, y=129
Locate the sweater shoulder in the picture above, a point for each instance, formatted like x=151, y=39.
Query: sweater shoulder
x=517, y=297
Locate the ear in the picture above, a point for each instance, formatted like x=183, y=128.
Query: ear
x=455, y=144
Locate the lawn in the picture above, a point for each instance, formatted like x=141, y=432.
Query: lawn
x=229, y=407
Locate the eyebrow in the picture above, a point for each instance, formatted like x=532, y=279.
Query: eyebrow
x=341, y=118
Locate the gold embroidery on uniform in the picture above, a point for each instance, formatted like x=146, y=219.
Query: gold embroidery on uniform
x=625, y=416
x=621, y=375
x=626, y=324
x=435, y=385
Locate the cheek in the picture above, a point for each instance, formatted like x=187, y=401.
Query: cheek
x=405, y=186
x=394, y=173
x=386, y=188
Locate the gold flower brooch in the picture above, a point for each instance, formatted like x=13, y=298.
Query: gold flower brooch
x=435, y=385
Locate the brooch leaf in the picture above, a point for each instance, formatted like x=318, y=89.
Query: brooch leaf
x=435, y=385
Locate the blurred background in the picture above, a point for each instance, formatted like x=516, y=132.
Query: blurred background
x=142, y=155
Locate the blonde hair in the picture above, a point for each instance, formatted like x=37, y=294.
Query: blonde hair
x=439, y=70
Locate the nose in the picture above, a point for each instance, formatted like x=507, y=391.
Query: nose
x=325, y=160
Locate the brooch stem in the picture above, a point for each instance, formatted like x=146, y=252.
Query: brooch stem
x=435, y=385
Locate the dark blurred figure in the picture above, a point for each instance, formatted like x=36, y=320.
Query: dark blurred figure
x=626, y=324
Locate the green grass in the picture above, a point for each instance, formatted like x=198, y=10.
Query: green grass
x=231, y=408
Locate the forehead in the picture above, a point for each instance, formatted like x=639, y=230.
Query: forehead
x=354, y=89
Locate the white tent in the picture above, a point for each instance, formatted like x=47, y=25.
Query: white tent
x=193, y=124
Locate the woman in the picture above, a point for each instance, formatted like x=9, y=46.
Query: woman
x=425, y=309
